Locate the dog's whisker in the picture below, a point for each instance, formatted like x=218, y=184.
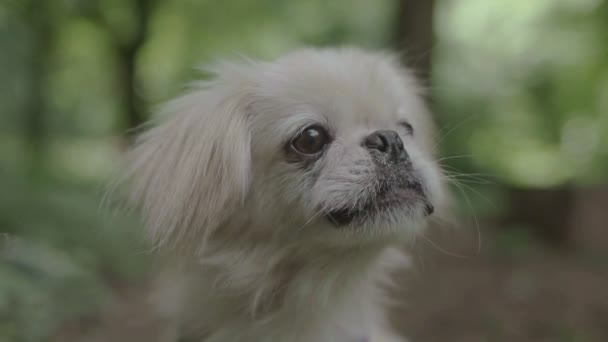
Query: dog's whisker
x=477, y=228
x=452, y=170
x=439, y=248
x=312, y=218
x=450, y=179
x=473, y=176
x=455, y=127
x=479, y=194
x=455, y=157
x=470, y=177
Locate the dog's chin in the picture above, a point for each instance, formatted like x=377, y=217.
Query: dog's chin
x=401, y=203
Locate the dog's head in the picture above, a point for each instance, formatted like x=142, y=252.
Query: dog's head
x=320, y=145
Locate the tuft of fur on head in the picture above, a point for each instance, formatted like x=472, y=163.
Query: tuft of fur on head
x=282, y=245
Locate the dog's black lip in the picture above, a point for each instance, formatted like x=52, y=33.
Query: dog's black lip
x=343, y=217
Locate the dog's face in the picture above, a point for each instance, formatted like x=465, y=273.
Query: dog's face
x=340, y=142
x=330, y=144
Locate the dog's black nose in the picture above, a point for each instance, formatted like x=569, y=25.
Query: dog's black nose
x=388, y=142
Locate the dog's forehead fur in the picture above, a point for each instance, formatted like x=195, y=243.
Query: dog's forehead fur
x=351, y=91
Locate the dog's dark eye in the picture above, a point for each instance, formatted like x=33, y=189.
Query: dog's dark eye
x=408, y=127
x=311, y=140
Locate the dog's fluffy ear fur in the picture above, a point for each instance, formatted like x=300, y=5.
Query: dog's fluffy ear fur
x=191, y=169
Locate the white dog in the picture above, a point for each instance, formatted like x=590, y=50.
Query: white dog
x=278, y=192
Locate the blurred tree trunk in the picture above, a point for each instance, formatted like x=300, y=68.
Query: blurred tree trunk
x=126, y=46
x=414, y=33
x=38, y=18
x=127, y=52
x=546, y=212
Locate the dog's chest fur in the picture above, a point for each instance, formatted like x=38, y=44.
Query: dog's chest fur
x=226, y=300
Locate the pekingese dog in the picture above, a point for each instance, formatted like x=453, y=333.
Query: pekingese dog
x=277, y=195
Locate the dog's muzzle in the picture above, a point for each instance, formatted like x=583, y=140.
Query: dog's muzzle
x=398, y=187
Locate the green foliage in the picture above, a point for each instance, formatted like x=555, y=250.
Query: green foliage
x=528, y=82
x=58, y=254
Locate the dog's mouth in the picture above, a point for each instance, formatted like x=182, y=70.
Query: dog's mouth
x=395, y=199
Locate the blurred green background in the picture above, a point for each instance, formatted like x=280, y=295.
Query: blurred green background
x=519, y=89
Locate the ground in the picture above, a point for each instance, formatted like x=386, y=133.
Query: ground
x=514, y=289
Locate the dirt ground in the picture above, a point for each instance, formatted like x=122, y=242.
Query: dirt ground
x=513, y=289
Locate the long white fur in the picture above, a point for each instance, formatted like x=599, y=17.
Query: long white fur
x=247, y=252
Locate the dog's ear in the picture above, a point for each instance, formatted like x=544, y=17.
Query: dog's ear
x=191, y=170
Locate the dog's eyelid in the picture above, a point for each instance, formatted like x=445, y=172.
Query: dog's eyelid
x=408, y=127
